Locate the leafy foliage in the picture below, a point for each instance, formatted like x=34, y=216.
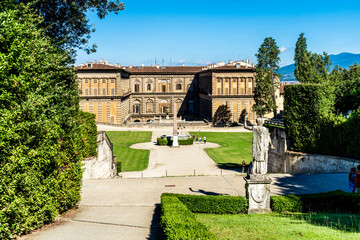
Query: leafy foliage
x=268, y=61
x=306, y=106
x=310, y=67
x=65, y=21
x=213, y=204
x=335, y=201
x=222, y=114
x=42, y=139
x=178, y=222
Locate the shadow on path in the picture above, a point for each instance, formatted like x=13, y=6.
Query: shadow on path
x=207, y=192
x=156, y=232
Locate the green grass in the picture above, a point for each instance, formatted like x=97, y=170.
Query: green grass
x=276, y=226
x=236, y=147
x=130, y=159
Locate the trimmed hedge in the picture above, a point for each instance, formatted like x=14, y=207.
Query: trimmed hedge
x=165, y=141
x=214, y=204
x=335, y=201
x=178, y=222
x=305, y=106
x=162, y=141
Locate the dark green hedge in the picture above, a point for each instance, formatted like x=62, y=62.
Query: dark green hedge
x=178, y=222
x=43, y=135
x=162, y=141
x=335, y=201
x=313, y=128
x=214, y=204
x=165, y=141
x=305, y=107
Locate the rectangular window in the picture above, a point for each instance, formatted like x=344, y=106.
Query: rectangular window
x=219, y=80
x=112, y=80
x=226, y=91
x=95, y=80
x=242, y=91
x=86, y=92
x=226, y=80
x=163, y=87
x=86, y=80
x=234, y=80
x=113, y=92
x=104, y=80
x=104, y=92
x=95, y=91
x=219, y=91
x=234, y=91
x=250, y=79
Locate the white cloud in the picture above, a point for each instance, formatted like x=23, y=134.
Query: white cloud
x=284, y=49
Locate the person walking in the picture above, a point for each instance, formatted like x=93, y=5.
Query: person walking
x=352, y=176
x=357, y=179
x=204, y=139
x=199, y=139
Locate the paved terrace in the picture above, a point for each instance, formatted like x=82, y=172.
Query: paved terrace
x=128, y=208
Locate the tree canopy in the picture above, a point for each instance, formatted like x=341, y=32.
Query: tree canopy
x=310, y=67
x=42, y=133
x=65, y=21
x=268, y=61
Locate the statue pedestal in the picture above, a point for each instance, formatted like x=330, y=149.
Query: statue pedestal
x=175, y=142
x=258, y=193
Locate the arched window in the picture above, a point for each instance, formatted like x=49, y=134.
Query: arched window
x=137, y=106
x=178, y=86
x=137, y=87
x=148, y=87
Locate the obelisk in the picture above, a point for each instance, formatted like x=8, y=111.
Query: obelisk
x=175, y=142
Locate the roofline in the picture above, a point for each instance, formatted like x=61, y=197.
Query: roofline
x=250, y=69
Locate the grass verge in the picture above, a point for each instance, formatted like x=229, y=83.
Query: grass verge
x=236, y=147
x=281, y=226
x=130, y=159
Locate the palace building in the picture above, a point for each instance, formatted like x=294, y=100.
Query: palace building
x=119, y=94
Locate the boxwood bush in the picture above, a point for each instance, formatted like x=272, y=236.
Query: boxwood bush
x=162, y=141
x=178, y=222
x=214, y=204
x=335, y=201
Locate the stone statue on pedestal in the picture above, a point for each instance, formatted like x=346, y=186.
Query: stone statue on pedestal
x=260, y=146
x=258, y=183
x=175, y=142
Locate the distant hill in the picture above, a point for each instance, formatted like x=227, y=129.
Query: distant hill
x=344, y=60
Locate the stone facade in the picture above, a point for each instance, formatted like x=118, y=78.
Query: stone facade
x=118, y=94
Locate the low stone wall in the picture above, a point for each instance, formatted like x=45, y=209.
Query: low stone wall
x=283, y=161
x=104, y=164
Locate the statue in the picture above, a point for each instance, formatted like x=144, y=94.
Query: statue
x=260, y=146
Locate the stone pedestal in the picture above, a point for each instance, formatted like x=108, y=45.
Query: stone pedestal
x=258, y=193
x=175, y=142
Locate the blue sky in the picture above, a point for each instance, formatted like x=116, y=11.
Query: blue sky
x=201, y=32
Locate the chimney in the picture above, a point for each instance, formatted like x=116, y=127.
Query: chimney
x=95, y=61
x=117, y=65
x=230, y=61
x=101, y=60
x=130, y=66
x=183, y=64
x=142, y=65
x=106, y=62
x=157, y=66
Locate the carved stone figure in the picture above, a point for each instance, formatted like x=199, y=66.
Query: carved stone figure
x=261, y=142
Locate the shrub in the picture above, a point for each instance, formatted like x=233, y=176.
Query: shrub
x=42, y=138
x=162, y=141
x=335, y=201
x=214, y=204
x=306, y=106
x=178, y=222
x=88, y=131
x=188, y=141
x=288, y=203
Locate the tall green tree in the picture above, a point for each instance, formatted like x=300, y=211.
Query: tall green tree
x=310, y=67
x=267, y=63
x=301, y=56
x=42, y=141
x=65, y=21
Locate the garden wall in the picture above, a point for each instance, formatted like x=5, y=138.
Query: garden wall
x=283, y=161
x=104, y=164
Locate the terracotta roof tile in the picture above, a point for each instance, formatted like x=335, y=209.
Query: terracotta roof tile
x=164, y=69
x=97, y=66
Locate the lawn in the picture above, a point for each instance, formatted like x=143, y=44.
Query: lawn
x=236, y=147
x=276, y=226
x=130, y=159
